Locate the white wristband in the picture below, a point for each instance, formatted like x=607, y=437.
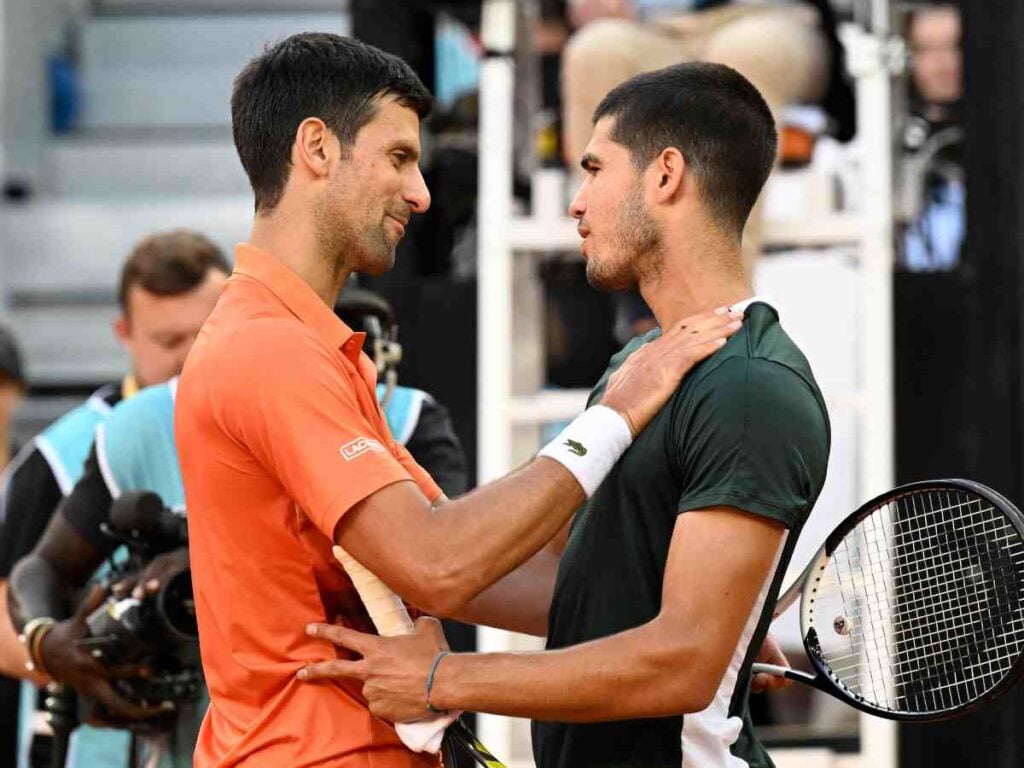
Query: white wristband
x=590, y=445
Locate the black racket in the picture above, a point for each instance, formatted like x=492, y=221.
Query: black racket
x=914, y=607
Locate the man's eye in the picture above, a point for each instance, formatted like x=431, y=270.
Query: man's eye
x=399, y=157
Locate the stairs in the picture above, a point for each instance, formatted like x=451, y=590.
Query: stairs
x=152, y=150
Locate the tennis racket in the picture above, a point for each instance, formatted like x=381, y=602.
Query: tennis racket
x=913, y=609
x=390, y=617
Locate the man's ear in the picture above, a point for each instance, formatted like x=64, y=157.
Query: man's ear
x=121, y=329
x=312, y=149
x=669, y=170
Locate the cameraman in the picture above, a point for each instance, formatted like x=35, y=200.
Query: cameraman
x=168, y=286
x=134, y=450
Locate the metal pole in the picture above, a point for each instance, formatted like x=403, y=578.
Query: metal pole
x=871, y=61
x=494, y=285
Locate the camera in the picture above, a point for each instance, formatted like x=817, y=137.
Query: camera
x=157, y=632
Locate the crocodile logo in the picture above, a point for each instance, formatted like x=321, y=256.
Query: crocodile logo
x=578, y=448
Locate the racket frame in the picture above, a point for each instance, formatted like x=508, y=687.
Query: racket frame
x=805, y=587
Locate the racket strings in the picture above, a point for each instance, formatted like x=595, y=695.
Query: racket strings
x=919, y=608
x=969, y=626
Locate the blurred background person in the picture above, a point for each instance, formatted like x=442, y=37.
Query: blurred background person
x=934, y=199
x=168, y=285
x=936, y=68
x=788, y=50
x=12, y=392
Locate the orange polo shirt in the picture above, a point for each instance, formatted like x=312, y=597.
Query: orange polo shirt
x=279, y=434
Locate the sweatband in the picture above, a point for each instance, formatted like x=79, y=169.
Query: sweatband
x=590, y=445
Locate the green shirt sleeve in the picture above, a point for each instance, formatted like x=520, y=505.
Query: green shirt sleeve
x=754, y=435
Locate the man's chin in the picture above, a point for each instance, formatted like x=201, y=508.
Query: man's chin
x=606, y=280
x=379, y=264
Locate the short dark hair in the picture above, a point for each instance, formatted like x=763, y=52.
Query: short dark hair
x=170, y=264
x=710, y=113
x=313, y=74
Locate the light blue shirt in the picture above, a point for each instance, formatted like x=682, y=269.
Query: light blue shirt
x=933, y=241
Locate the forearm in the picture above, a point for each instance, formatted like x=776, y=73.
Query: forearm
x=644, y=672
x=519, y=602
x=440, y=558
x=484, y=535
x=36, y=589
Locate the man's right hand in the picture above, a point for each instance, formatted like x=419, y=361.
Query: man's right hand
x=67, y=662
x=645, y=382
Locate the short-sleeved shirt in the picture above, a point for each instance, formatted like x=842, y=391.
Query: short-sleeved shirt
x=134, y=451
x=280, y=434
x=748, y=429
x=45, y=472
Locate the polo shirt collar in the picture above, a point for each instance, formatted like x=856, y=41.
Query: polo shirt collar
x=298, y=297
x=741, y=306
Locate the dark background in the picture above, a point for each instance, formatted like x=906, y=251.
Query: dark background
x=958, y=348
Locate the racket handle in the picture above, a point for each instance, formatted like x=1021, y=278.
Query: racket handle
x=390, y=617
x=786, y=672
x=386, y=609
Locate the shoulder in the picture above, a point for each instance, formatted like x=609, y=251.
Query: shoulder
x=760, y=381
x=152, y=406
x=273, y=352
x=65, y=444
x=763, y=379
x=270, y=346
x=79, y=422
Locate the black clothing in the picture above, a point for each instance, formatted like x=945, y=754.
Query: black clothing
x=747, y=429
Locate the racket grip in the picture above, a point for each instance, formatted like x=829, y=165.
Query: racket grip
x=390, y=617
x=386, y=609
x=787, y=672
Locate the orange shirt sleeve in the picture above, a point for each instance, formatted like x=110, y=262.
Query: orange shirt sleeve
x=295, y=409
x=423, y=479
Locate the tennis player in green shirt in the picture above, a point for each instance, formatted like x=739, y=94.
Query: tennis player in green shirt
x=657, y=601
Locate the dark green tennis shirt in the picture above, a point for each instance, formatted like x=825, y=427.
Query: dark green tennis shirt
x=747, y=428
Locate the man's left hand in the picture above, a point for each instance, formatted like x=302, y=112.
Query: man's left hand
x=393, y=669
x=770, y=653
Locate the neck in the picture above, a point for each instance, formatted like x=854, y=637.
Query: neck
x=290, y=238
x=698, y=274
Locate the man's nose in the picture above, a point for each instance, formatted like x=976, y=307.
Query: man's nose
x=578, y=206
x=418, y=196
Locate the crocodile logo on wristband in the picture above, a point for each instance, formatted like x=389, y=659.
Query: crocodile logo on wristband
x=578, y=448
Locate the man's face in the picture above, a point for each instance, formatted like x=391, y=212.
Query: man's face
x=158, y=331
x=373, y=191
x=935, y=43
x=621, y=241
